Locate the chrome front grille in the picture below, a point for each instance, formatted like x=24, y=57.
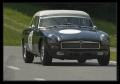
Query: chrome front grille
x=90, y=45
x=70, y=45
x=78, y=45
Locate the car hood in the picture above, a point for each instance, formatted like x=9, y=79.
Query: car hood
x=75, y=34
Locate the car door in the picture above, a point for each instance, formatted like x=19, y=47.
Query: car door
x=35, y=35
x=31, y=35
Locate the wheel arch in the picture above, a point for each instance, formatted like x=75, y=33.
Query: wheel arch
x=22, y=41
x=39, y=43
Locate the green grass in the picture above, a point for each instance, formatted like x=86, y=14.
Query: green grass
x=25, y=8
x=11, y=37
x=21, y=27
x=105, y=26
x=113, y=56
x=23, y=13
x=16, y=15
x=113, y=41
x=109, y=28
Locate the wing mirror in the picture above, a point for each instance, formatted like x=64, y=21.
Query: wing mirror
x=33, y=26
x=94, y=27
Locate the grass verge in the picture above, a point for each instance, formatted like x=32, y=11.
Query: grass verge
x=113, y=41
x=113, y=56
x=11, y=37
x=109, y=28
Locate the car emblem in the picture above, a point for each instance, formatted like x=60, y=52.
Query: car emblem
x=81, y=41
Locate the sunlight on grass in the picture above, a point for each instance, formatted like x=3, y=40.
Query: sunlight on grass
x=16, y=15
x=11, y=37
x=17, y=26
x=113, y=41
x=113, y=56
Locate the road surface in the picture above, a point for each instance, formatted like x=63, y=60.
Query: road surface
x=59, y=70
x=113, y=49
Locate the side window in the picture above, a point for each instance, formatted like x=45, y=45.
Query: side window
x=35, y=21
x=32, y=22
x=91, y=25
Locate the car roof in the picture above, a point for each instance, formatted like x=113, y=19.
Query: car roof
x=61, y=12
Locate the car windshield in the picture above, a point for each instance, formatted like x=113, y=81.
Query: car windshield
x=51, y=21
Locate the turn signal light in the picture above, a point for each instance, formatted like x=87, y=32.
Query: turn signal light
x=54, y=47
x=104, y=47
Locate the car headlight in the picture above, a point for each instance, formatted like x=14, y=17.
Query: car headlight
x=53, y=39
x=104, y=39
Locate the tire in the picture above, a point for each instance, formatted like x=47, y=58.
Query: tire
x=27, y=56
x=105, y=60
x=45, y=58
x=81, y=60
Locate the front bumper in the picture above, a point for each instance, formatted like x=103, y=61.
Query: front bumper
x=76, y=53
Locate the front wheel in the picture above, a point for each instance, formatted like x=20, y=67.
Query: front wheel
x=27, y=56
x=45, y=58
x=105, y=60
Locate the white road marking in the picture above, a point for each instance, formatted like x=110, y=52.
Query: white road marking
x=12, y=67
x=110, y=61
x=113, y=61
x=39, y=79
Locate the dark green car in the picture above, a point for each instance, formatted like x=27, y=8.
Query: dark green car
x=64, y=34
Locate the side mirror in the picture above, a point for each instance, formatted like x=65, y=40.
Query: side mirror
x=33, y=26
x=94, y=27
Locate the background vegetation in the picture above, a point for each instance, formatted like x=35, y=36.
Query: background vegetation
x=17, y=17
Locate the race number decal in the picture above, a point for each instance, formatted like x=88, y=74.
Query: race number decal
x=30, y=40
x=69, y=31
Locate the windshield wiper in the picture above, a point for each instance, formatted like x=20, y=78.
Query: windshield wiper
x=54, y=26
x=84, y=26
x=73, y=24
x=68, y=24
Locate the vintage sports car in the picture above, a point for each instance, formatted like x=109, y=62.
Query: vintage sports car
x=64, y=34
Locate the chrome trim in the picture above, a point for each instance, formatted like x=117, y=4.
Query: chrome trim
x=67, y=26
x=60, y=53
x=78, y=16
x=70, y=42
x=80, y=44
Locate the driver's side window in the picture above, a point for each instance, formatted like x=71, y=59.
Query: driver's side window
x=32, y=23
x=35, y=21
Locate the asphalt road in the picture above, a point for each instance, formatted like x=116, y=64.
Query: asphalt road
x=113, y=49
x=60, y=70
